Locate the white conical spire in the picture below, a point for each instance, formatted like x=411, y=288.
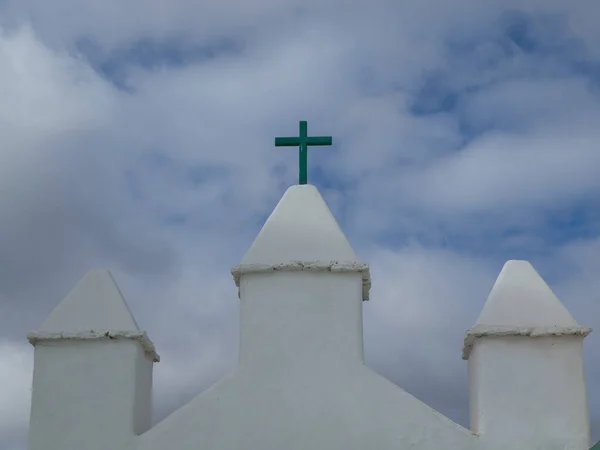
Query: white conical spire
x=521, y=298
x=94, y=304
x=301, y=228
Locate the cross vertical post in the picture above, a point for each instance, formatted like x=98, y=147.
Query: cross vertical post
x=303, y=153
x=302, y=142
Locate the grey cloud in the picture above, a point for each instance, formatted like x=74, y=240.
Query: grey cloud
x=78, y=190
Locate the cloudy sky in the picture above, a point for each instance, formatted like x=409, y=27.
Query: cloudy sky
x=138, y=136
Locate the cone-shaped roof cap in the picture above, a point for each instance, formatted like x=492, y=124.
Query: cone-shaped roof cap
x=521, y=298
x=94, y=304
x=300, y=228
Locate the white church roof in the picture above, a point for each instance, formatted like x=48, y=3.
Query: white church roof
x=521, y=298
x=301, y=228
x=95, y=303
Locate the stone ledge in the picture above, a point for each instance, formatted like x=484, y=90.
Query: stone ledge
x=307, y=266
x=479, y=331
x=92, y=335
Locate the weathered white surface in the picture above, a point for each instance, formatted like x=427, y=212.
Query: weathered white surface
x=526, y=376
x=307, y=266
x=101, y=335
x=92, y=384
x=301, y=228
x=95, y=303
x=480, y=331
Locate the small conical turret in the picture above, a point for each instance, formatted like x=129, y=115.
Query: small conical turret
x=92, y=371
x=95, y=303
x=520, y=297
x=526, y=377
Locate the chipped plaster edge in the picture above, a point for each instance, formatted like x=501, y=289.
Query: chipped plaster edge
x=479, y=331
x=93, y=335
x=307, y=266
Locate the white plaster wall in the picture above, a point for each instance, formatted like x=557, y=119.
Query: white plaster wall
x=301, y=383
x=297, y=321
x=529, y=392
x=89, y=395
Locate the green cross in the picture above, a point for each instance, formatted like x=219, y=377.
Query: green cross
x=303, y=141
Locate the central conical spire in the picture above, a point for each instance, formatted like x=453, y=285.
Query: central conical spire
x=301, y=288
x=300, y=228
x=302, y=234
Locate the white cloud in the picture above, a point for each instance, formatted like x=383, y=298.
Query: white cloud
x=499, y=172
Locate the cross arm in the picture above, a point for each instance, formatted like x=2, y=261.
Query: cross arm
x=287, y=142
x=319, y=140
